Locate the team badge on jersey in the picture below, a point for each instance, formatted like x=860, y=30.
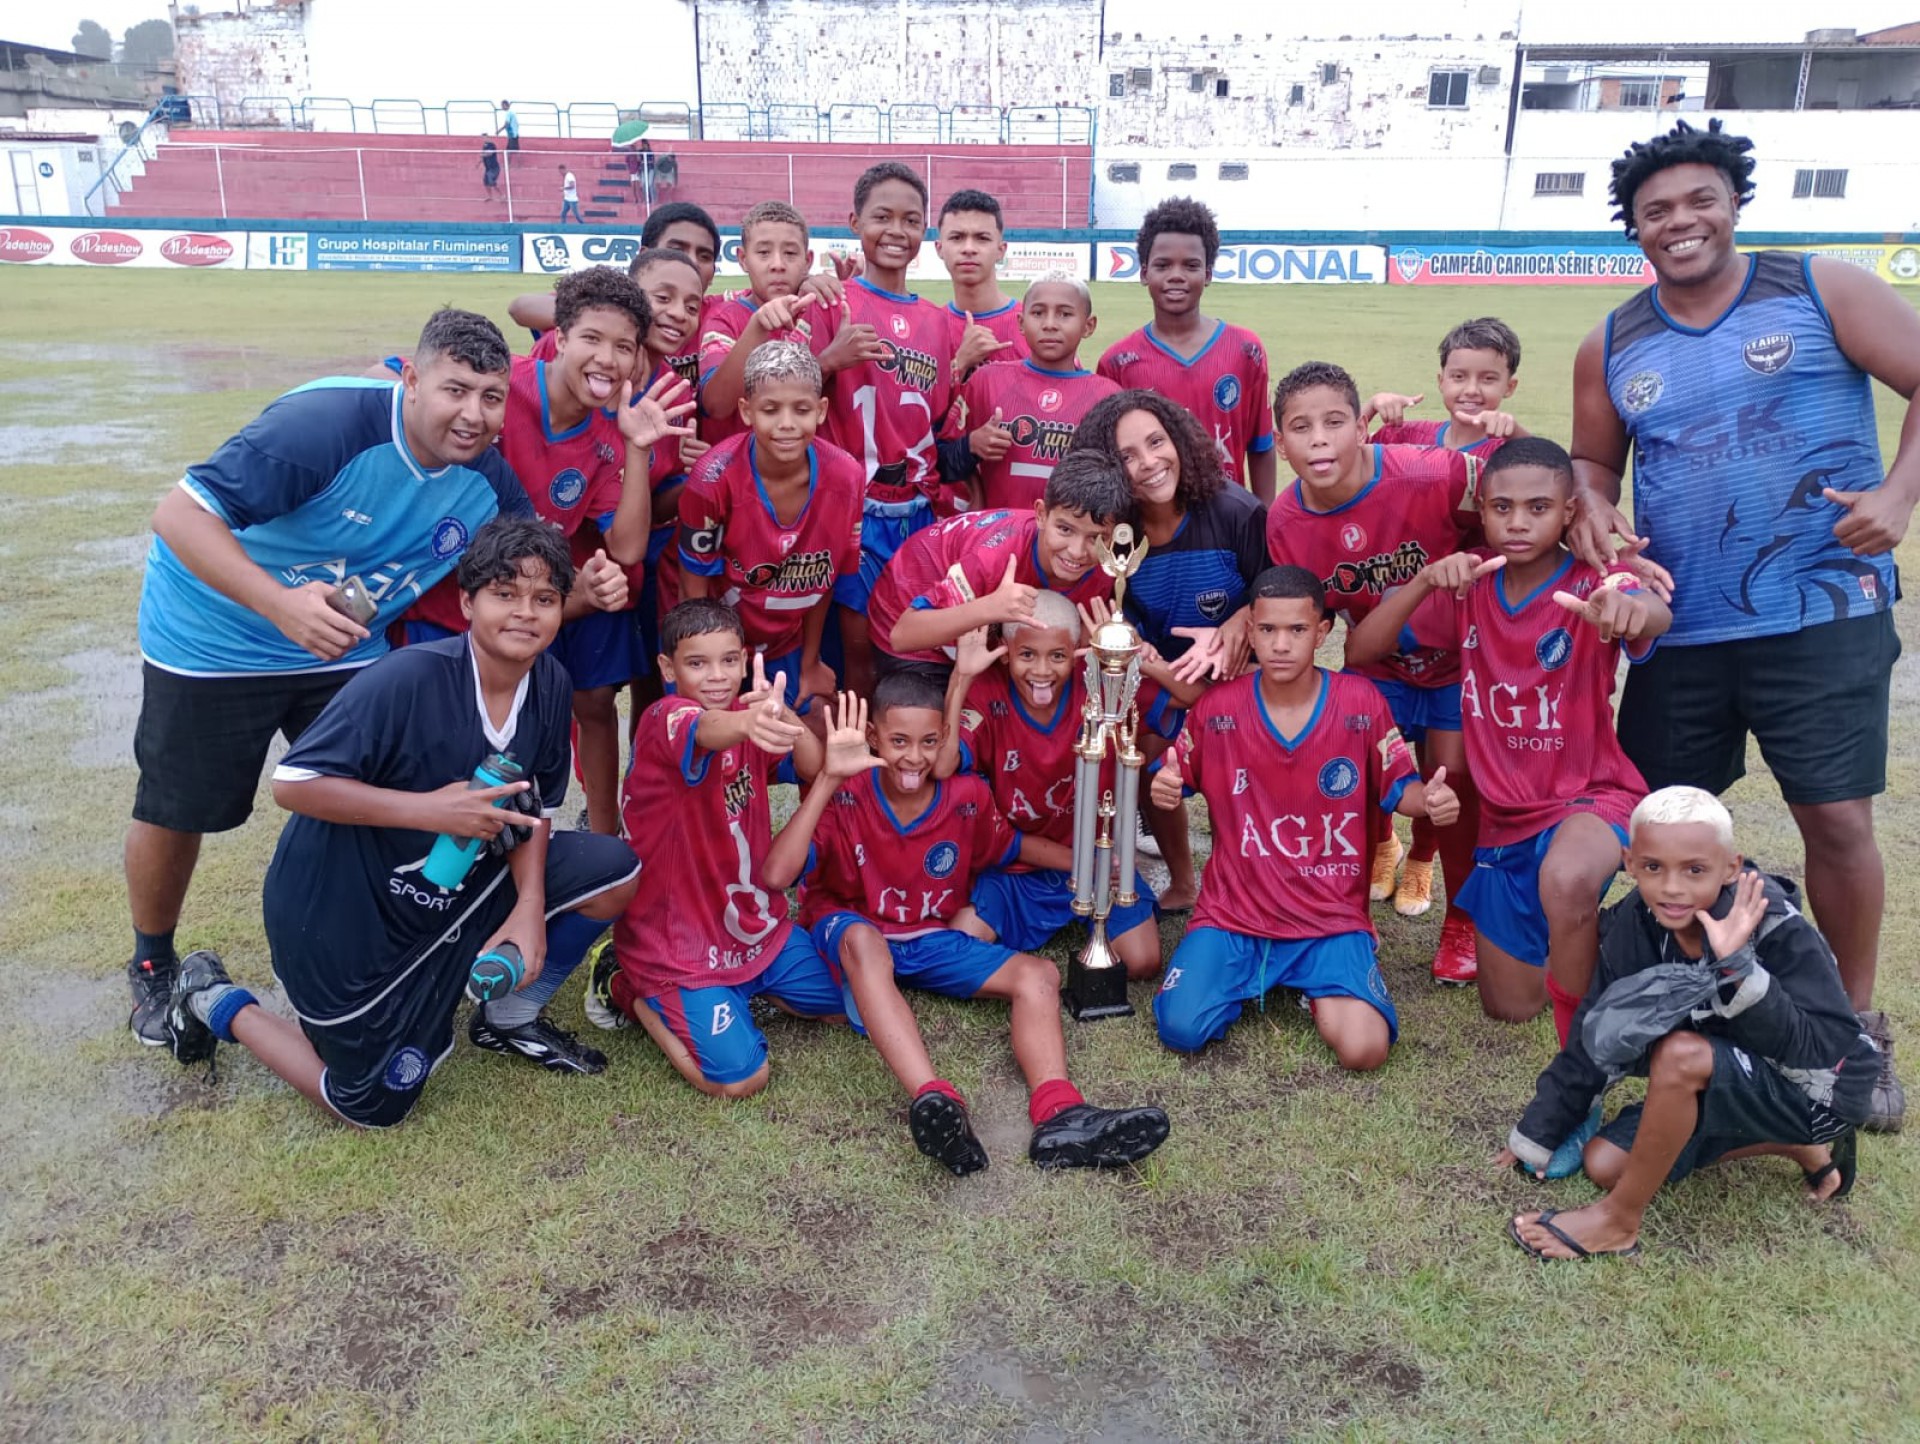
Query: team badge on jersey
x=449, y=537
x=1768, y=355
x=1226, y=392
x=568, y=487
x=1212, y=603
x=1553, y=649
x=1338, y=778
x=942, y=859
x=901, y=327
x=1642, y=390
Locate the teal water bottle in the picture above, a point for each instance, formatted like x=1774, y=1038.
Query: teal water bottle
x=447, y=865
x=496, y=973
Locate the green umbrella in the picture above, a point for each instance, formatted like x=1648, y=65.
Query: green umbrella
x=628, y=135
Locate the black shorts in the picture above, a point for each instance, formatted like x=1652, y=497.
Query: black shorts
x=378, y=1057
x=1747, y=1101
x=1815, y=700
x=201, y=741
x=885, y=664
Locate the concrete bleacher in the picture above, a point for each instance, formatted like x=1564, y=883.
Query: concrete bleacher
x=297, y=175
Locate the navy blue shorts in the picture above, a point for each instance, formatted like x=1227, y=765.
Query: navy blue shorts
x=378, y=1054
x=596, y=650
x=945, y=961
x=1420, y=710
x=716, y=1024
x=881, y=534
x=1747, y=1101
x=1025, y=909
x=1214, y=974
x=1502, y=895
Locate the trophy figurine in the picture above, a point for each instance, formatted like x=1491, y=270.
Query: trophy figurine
x=1105, y=820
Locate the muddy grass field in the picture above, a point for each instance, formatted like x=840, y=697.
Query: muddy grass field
x=1310, y=1256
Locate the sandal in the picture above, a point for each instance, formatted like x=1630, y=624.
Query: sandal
x=1845, y=1162
x=1581, y=1253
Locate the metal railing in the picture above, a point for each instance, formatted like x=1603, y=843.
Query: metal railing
x=142, y=144
x=910, y=123
x=257, y=179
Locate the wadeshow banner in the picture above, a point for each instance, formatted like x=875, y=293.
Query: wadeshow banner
x=22, y=245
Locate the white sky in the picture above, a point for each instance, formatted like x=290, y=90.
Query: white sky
x=1567, y=21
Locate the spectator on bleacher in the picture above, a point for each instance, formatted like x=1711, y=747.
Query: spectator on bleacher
x=490, y=169
x=511, y=125
x=569, y=197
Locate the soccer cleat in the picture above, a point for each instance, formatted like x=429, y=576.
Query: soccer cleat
x=598, y=1003
x=1087, y=1137
x=191, y=1040
x=1386, y=862
x=942, y=1131
x=1415, y=894
x=1889, y=1107
x=554, y=1049
x=151, y=981
x=1454, y=961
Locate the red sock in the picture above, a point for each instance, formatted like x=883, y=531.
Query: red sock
x=1564, y=1004
x=1055, y=1096
x=942, y=1086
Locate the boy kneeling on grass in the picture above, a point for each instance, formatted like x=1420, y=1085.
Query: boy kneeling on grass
x=372, y=956
x=1713, y=984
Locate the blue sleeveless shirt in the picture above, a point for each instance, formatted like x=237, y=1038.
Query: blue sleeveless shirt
x=1736, y=428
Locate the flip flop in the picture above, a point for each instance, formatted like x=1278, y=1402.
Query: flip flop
x=1580, y=1253
x=1846, y=1163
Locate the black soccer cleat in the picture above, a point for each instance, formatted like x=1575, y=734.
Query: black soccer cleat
x=189, y=1039
x=942, y=1131
x=151, y=982
x=1087, y=1137
x=554, y=1049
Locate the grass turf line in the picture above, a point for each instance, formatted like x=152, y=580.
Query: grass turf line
x=1311, y=1255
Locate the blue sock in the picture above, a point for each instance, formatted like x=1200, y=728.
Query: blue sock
x=569, y=935
x=216, y=1007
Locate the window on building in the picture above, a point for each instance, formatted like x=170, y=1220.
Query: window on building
x=1330, y=73
x=1447, y=90
x=1826, y=185
x=1181, y=170
x=1124, y=173
x=1639, y=94
x=1140, y=77
x=1233, y=170
x=1117, y=83
x=1559, y=182
x=1196, y=81
x=1220, y=87
x=1297, y=95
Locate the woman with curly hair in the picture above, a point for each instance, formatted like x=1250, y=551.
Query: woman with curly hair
x=1206, y=543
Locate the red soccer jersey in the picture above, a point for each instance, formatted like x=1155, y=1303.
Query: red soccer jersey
x=571, y=476
x=907, y=881
x=1292, y=820
x=1536, y=690
x=1004, y=323
x=720, y=327
x=1041, y=409
x=1224, y=384
x=773, y=572
x=1028, y=759
x=959, y=560
x=884, y=412
x=702, y=827
x=1432, y=433
x=1421, y=504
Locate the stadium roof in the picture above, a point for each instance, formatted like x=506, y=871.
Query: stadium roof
x=1712, y=50
x=14, y=53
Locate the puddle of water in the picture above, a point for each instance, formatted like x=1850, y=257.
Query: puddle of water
x=22, y=443
x=107, y=686
x=110, y=554
x=1121, y=1395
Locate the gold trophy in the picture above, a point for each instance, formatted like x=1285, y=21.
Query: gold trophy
x=1105, y=822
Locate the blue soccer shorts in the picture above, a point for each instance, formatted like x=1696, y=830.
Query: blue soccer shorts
x=1025, y=909
x=884, y=527
x=1214, y=974
x=596, y=650
x=1420, y=710
x=1502, y=895
x=716, y=1024
x=944, y=961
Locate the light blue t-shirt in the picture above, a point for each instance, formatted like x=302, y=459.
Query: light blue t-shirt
x=319, y=487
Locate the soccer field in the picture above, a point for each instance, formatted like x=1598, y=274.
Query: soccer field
x=1311, y=1255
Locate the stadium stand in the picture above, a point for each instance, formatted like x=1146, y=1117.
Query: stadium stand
x=321, y=176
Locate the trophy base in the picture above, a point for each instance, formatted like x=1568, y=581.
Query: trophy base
x=1095, y=993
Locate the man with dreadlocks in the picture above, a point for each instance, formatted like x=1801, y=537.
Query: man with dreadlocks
x=1743, y=385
